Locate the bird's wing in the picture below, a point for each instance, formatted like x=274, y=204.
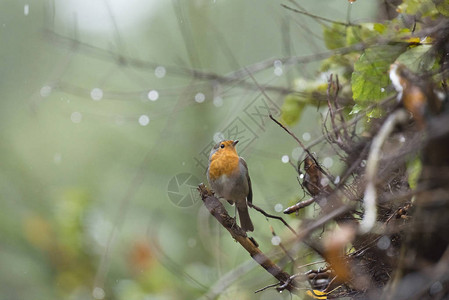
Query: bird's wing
x=250, y=192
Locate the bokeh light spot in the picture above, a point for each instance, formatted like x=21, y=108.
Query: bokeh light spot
x=160, y=72
x=76, y=117
x=153, y=95
x=96, y=94
x=144, y=120
x=200, y=97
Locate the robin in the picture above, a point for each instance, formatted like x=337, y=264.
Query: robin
x=229, y=178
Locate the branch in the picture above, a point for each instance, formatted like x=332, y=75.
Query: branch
x=250, y=204
x=369, y=199
x=302, y=146
x=317, y=17
x=298, y=206
x=218, y=211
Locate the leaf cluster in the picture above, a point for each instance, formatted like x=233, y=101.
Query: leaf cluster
x=362, y=55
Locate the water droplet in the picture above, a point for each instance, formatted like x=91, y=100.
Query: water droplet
x=278, y=207
x=276, y=240
x=57, y=157
x=45, y=91
x=285, y=159
x=153, y=95
x=278, y=71
x=337, y=180
x=96, y=94
x=160, y=72
x=218, y=136
x=301, y=176
x=277, y=63
x=435, y=288
x=296, y=153
x=402, y=138
x=76, y=117
x=324, y=181
x=218, y=101
x=328, y=162
x=26, y=9
x=306, y=136
x=144, y=120
x=382, y=90
x=384, y=243
x=98, y=293
x=363, y=163
x=200, y=97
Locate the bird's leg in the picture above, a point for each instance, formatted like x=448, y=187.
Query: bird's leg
x=235, y=214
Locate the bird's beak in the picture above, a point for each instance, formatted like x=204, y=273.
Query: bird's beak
x=235, y=143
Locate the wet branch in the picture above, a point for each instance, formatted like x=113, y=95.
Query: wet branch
x=218, y=211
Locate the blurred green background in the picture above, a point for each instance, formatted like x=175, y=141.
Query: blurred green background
x=105, y=129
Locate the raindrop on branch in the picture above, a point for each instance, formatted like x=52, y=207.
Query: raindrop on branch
x=276, y=240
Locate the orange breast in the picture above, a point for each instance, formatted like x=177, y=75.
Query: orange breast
x=223, y=164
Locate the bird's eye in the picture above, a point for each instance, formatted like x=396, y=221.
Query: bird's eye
x=222, y=146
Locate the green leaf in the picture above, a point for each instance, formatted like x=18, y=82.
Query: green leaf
x=361, y=33
x=335, y=36
x=414, y=59
x=414, y=168
x=380, y=28
x=370, y=76
x=355, y=109
x=423, y=8
x=292, y=108
x=442, y=6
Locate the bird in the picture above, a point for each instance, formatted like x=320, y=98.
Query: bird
x=228, y=177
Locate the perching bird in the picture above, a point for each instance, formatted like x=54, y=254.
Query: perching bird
x=229, y=178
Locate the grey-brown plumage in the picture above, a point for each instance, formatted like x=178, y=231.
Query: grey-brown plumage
x=229, y=178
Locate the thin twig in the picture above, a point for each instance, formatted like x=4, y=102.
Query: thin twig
x=266, y=287
x=298, y=206
x=302, y=146
x=250, y=204
x=317, y=17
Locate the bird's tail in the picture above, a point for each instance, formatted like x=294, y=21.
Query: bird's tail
x=245, y=220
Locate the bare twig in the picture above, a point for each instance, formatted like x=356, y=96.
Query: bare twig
x=298, y=206
x=317, y=17
x=267, y=287
x=250, y=204
x=300, y=144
